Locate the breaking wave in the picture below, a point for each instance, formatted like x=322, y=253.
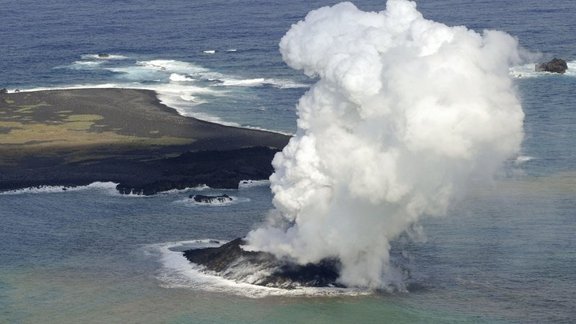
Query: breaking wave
x=84, y=65
x=180, y=78
x=180, y=85
x=244, y=184
x=521, y=159
x=109, y=187
x=261, y=82
x=190, y=202
x=185, y=190
x=104, y=57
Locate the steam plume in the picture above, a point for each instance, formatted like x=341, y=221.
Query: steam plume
x=406, y=112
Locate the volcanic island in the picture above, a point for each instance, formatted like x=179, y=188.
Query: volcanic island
x=75, y=137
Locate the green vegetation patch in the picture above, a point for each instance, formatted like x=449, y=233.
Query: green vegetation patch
x=83, y=118
x=28, y=109
x=73, y=130
x=77, y=128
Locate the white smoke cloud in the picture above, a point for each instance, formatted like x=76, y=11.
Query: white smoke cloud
x=405, y=113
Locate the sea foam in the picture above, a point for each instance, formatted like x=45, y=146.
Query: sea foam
x=260, y=82
x=245, y=184
x=190, y=202
x=109, y=187
x=529, y=71
x=180, y=85
x=104, y=57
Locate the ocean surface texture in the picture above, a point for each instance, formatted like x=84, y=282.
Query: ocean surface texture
x=89, y=255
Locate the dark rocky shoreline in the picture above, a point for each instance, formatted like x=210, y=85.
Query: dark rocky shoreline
x=231, y=261
x=124, y=136
x=216, y=169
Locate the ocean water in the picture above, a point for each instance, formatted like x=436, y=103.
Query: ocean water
x=503, y=255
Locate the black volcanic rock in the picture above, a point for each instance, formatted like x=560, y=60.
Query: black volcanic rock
x=211, y=199
x=555, y=66
x=264, y=269
x=216, y=169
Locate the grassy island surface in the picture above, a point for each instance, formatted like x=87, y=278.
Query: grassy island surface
x=75, y=137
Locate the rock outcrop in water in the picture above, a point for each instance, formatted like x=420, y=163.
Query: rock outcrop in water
x=556, y=65
x=264, y=269
x=203, y=199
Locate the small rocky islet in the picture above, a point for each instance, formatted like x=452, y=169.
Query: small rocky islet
x=232, y=262
x=555, y=65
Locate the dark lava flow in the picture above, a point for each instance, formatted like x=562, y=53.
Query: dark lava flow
x=261, y=268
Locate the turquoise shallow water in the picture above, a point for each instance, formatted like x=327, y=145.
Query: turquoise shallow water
x=503, y=254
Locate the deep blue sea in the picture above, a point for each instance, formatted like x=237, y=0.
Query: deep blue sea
x=89, y=255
